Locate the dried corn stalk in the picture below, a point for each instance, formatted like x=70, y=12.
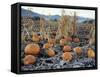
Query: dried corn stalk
x=63, y=25
x=28, y=23
x=42, y=27
x=92, y=35
x=74, y=27
x=49, y=27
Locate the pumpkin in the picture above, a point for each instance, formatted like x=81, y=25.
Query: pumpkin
x=67, y=48
x=68, y=38
x=90, y=53
x=32, y=49
x=76, y=40
x=41, y=37
x=29, y=59
x=35, y=38
x=62, y=42
x=47, y=45
x=51, y=41
x=78, y=50
x=51, y=53
x=46, y=36
x=67, y=56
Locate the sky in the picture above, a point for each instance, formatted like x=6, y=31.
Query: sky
x=57, y=11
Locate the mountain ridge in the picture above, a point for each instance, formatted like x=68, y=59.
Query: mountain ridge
x=25, y=12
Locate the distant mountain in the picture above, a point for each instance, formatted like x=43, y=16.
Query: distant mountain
x=54, y=17
x=25, y=12
x=83, y=19
x=89, y=21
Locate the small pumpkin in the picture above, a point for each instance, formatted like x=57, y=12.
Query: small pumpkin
x=67, y=56
x=91, y=53
x=51, y=53
x=62, y=42
x=76, y=40
x=47, y=45
x=32, y=49
x=29, y=59
x=51, y=41
x=35, y=38
x=78, y=50
x=41, y=37
x=46, y=36
x=68, y=38
x=67, y=48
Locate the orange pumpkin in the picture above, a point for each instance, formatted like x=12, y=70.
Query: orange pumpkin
x=41, y=37
x=36, y=38
x=29, y=59
x=51, y=41
x=67, y=48
x=47, y=45
x=68, y=38
x=62, y=42
x=91, y=53
x=78, y=50
x=67, y=56
x=51, y=53
x=76, y=40
x=32, y=49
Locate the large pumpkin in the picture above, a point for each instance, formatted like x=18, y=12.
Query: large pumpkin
x=29, y=59
x=67, y=48
x=67, y=56
x=90, y=53
x=32, y=49
x=51, y=53
x=78, y=50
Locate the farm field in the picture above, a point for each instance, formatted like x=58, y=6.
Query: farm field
x=56, y=41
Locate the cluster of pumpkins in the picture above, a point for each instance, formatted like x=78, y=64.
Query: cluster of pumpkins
x=33, y=49
x=67, y=55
